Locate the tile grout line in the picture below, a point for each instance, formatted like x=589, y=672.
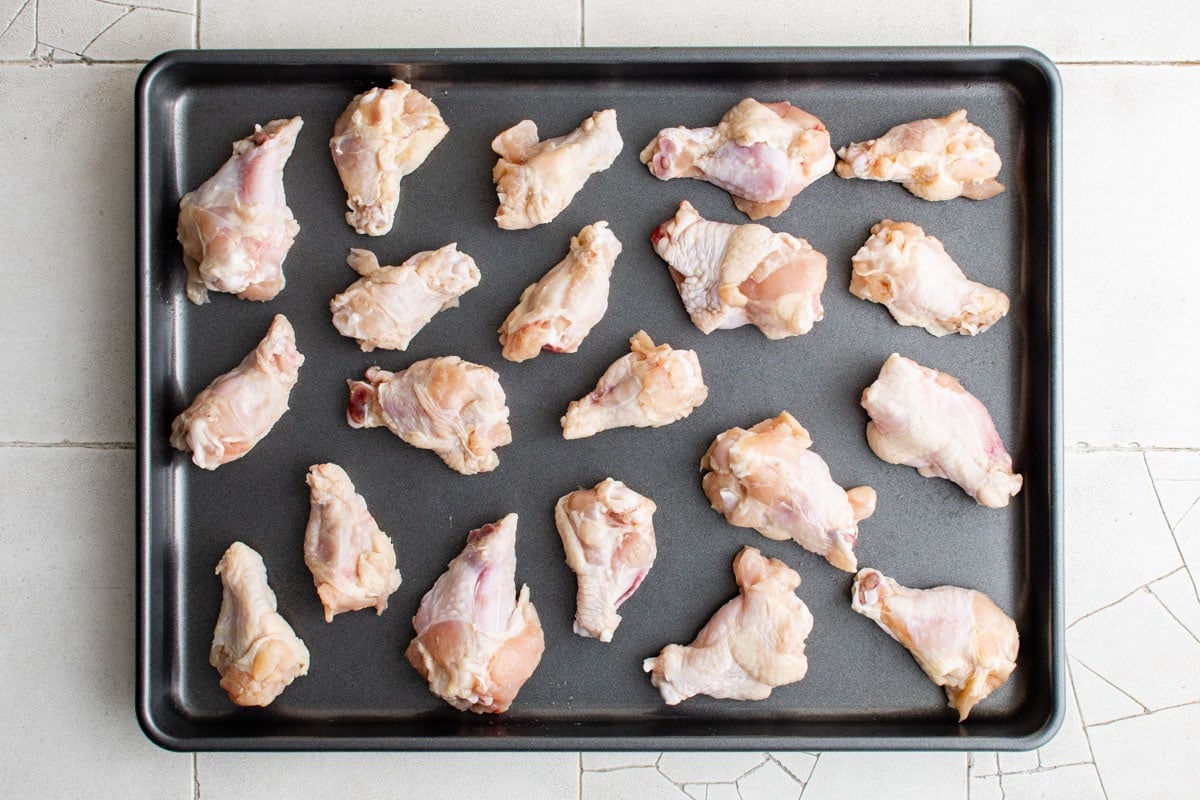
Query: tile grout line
x=583, y=23
x=21, y=10
x=1083, y=447
x=1170, y=528
x=1086, y=737
x=579, y=784
x=1121, y=691
x=1147, y=714
x=196, y=26
x=196, y=777
x=1123, y=597
x=76, y=445
x=1171, y=613
x=970, y=24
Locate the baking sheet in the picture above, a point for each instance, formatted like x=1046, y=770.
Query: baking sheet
x=862, y=690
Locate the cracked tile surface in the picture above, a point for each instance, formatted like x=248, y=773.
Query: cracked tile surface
x=1133, y=514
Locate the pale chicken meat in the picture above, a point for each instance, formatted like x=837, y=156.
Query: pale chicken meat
x=763, y=154
x=911, y=273
x=960, y=638
x=447, y=405
x=236, y=228
x=388, y=306
x=254, y=648
x=754, y=643
x=934, y=159
x=767, y=478
x=734, y=275
x=560, y=310
x=352, y=561
x=926, y=419
x=383, y=135
x=536, y=180
x=608, y=536
x=476, y=645
x=240, y=407
x=646, y=388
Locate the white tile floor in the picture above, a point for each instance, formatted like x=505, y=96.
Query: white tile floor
x=1133, y=465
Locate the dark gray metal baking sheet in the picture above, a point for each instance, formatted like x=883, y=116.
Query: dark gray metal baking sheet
x=862, y=690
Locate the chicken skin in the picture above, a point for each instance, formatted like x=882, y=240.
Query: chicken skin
x=910, y=272
x=353, y=562
x=236, y=228
x=764, y=154
x=557, y=312
x=388, y=306
x=608, y=535
x=475, y=644
x=253, y=647
x=961, y=639
x=935, y=159
x=768, y=479
x=734, y=275
x=240, y=407
x=646, y=388
x=447, y=405
x=383, y=135
x=753, y=643
x=536, y=180
x=925, y=419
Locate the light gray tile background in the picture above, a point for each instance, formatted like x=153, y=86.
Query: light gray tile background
x=1132, y=341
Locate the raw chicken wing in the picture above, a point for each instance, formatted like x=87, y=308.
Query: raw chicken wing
x=254, y=648
x=353, y=562
x=910, y=272
x=557, y=312
x=649, y=387
x=240, y=407
x=388, y=306
x=961, y=639
x=383, y=135
x=447, y=405
x=754, y=643
x=236, y=229
x=764, y=154
x=935, y=159
x=475, y=645
x=536, y=180
x=608, y=535
x=926, y=419
x=768, y=479
x=734, y=275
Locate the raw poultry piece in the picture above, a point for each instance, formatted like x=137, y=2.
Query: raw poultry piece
x=240, y=407
x=388, y=306
x=608, y=535
x=767, y=478
x=935, y=159
x=475, y=644
x=910, y=272
x=353, y=562
x=926, y=419
x=961, y=639
x=734, y=275
x=447, y=405
x=253, y=647
x=753, y=643
x=383, y=135
x=764, y=154
x=648, y=387
x=236, y=229
x=557, y=312
x=536, y=180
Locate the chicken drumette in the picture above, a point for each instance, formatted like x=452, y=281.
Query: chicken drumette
x=475, y=644
x=647, y=388
x=236, y=228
